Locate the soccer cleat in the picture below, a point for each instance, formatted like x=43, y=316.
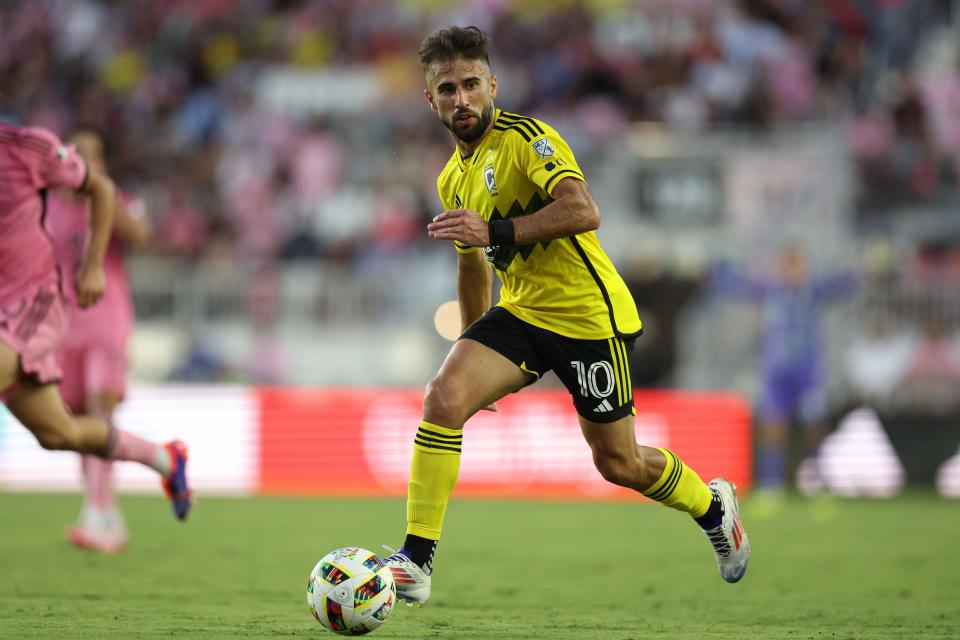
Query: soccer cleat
x=99, y=531
x=413, y=583
x=729, y=540
x=104, y=542
x=175, y=483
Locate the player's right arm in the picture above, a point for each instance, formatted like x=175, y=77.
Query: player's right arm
x=474, y=285
x=91, y=281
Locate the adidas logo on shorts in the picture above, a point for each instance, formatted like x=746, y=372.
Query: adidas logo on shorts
x=603, y=407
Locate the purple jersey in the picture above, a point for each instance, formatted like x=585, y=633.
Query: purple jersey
x=32, y=160
x=790, y=323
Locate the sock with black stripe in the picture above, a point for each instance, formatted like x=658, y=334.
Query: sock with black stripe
x=433, y=474
x=679, y=487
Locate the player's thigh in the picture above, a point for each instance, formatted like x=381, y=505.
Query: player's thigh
x=40, y=409
x=9, y=366
x=616, y=438
x=473, y=376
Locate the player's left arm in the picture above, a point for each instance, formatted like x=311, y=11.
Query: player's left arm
x=573, y=211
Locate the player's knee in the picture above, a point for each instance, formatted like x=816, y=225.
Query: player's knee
x=57, y=439
x=617, y=470
x=445, y=402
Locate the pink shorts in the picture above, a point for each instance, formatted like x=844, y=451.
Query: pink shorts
x=34, y=327
x=90, y=370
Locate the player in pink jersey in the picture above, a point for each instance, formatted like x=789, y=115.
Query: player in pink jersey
x=93, y=355
x=33, y=319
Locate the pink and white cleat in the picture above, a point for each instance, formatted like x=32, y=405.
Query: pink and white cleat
x=413, y=583
x=729, y=541
x=99, y=531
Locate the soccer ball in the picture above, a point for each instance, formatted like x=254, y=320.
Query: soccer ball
x=351, y=591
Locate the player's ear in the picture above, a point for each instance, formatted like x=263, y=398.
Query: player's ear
x=429, y=97
x=493, y=86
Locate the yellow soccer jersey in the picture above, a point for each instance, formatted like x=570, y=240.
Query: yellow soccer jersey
x=568, y=285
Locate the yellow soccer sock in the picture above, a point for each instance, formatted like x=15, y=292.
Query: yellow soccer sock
x=680, y=487
x=433, y=474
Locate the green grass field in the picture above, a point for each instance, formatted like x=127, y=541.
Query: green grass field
x=504, y=570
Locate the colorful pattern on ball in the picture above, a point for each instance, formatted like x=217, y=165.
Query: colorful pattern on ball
x=374, y=563
x=335, y=616
x=382, y=613
x=351, y=591
x=365, y=593
x=333, y=574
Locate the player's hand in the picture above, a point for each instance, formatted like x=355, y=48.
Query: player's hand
x=463, y=225
x=91, y=283
x=491, y=407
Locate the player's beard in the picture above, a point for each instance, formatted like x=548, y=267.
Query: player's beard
x=472, y=133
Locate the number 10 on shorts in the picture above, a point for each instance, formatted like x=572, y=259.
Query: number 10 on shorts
x=587, y=377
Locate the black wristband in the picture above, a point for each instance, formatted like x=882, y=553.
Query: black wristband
x=501, y=233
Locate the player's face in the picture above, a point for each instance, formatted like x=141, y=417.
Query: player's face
x=90, y=147
x=462, y=93
x=793, y=265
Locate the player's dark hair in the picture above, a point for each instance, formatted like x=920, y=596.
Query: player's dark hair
x=448, y=44
x=87, y=127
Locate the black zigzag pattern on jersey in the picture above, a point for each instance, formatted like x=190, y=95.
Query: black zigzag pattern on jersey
x=502, y=257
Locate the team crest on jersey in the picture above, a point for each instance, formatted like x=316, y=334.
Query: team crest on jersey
x=490, y=180
x=543, y=148
x=62, y=153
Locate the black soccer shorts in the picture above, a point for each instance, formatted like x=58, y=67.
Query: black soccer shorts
x=595, y=372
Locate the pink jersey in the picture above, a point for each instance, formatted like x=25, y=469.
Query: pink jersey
x=107, y=323
x=32, y=160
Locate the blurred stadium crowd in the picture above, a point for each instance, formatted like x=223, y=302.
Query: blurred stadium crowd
x=184, y=90
x=266, y=132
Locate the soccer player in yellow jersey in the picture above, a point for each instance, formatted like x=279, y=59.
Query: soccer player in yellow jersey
x=515, y=198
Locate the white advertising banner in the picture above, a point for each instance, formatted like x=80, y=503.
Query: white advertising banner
x=220, y=424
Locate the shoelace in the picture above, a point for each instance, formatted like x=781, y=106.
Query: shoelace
x=403, y=562
x=718, y=539
x=396, y=556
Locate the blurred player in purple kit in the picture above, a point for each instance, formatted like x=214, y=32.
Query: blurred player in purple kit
x=792, y=379
x=93, y=355
x=33, y=316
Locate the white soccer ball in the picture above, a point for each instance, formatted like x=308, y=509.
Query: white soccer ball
x=351, y=591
